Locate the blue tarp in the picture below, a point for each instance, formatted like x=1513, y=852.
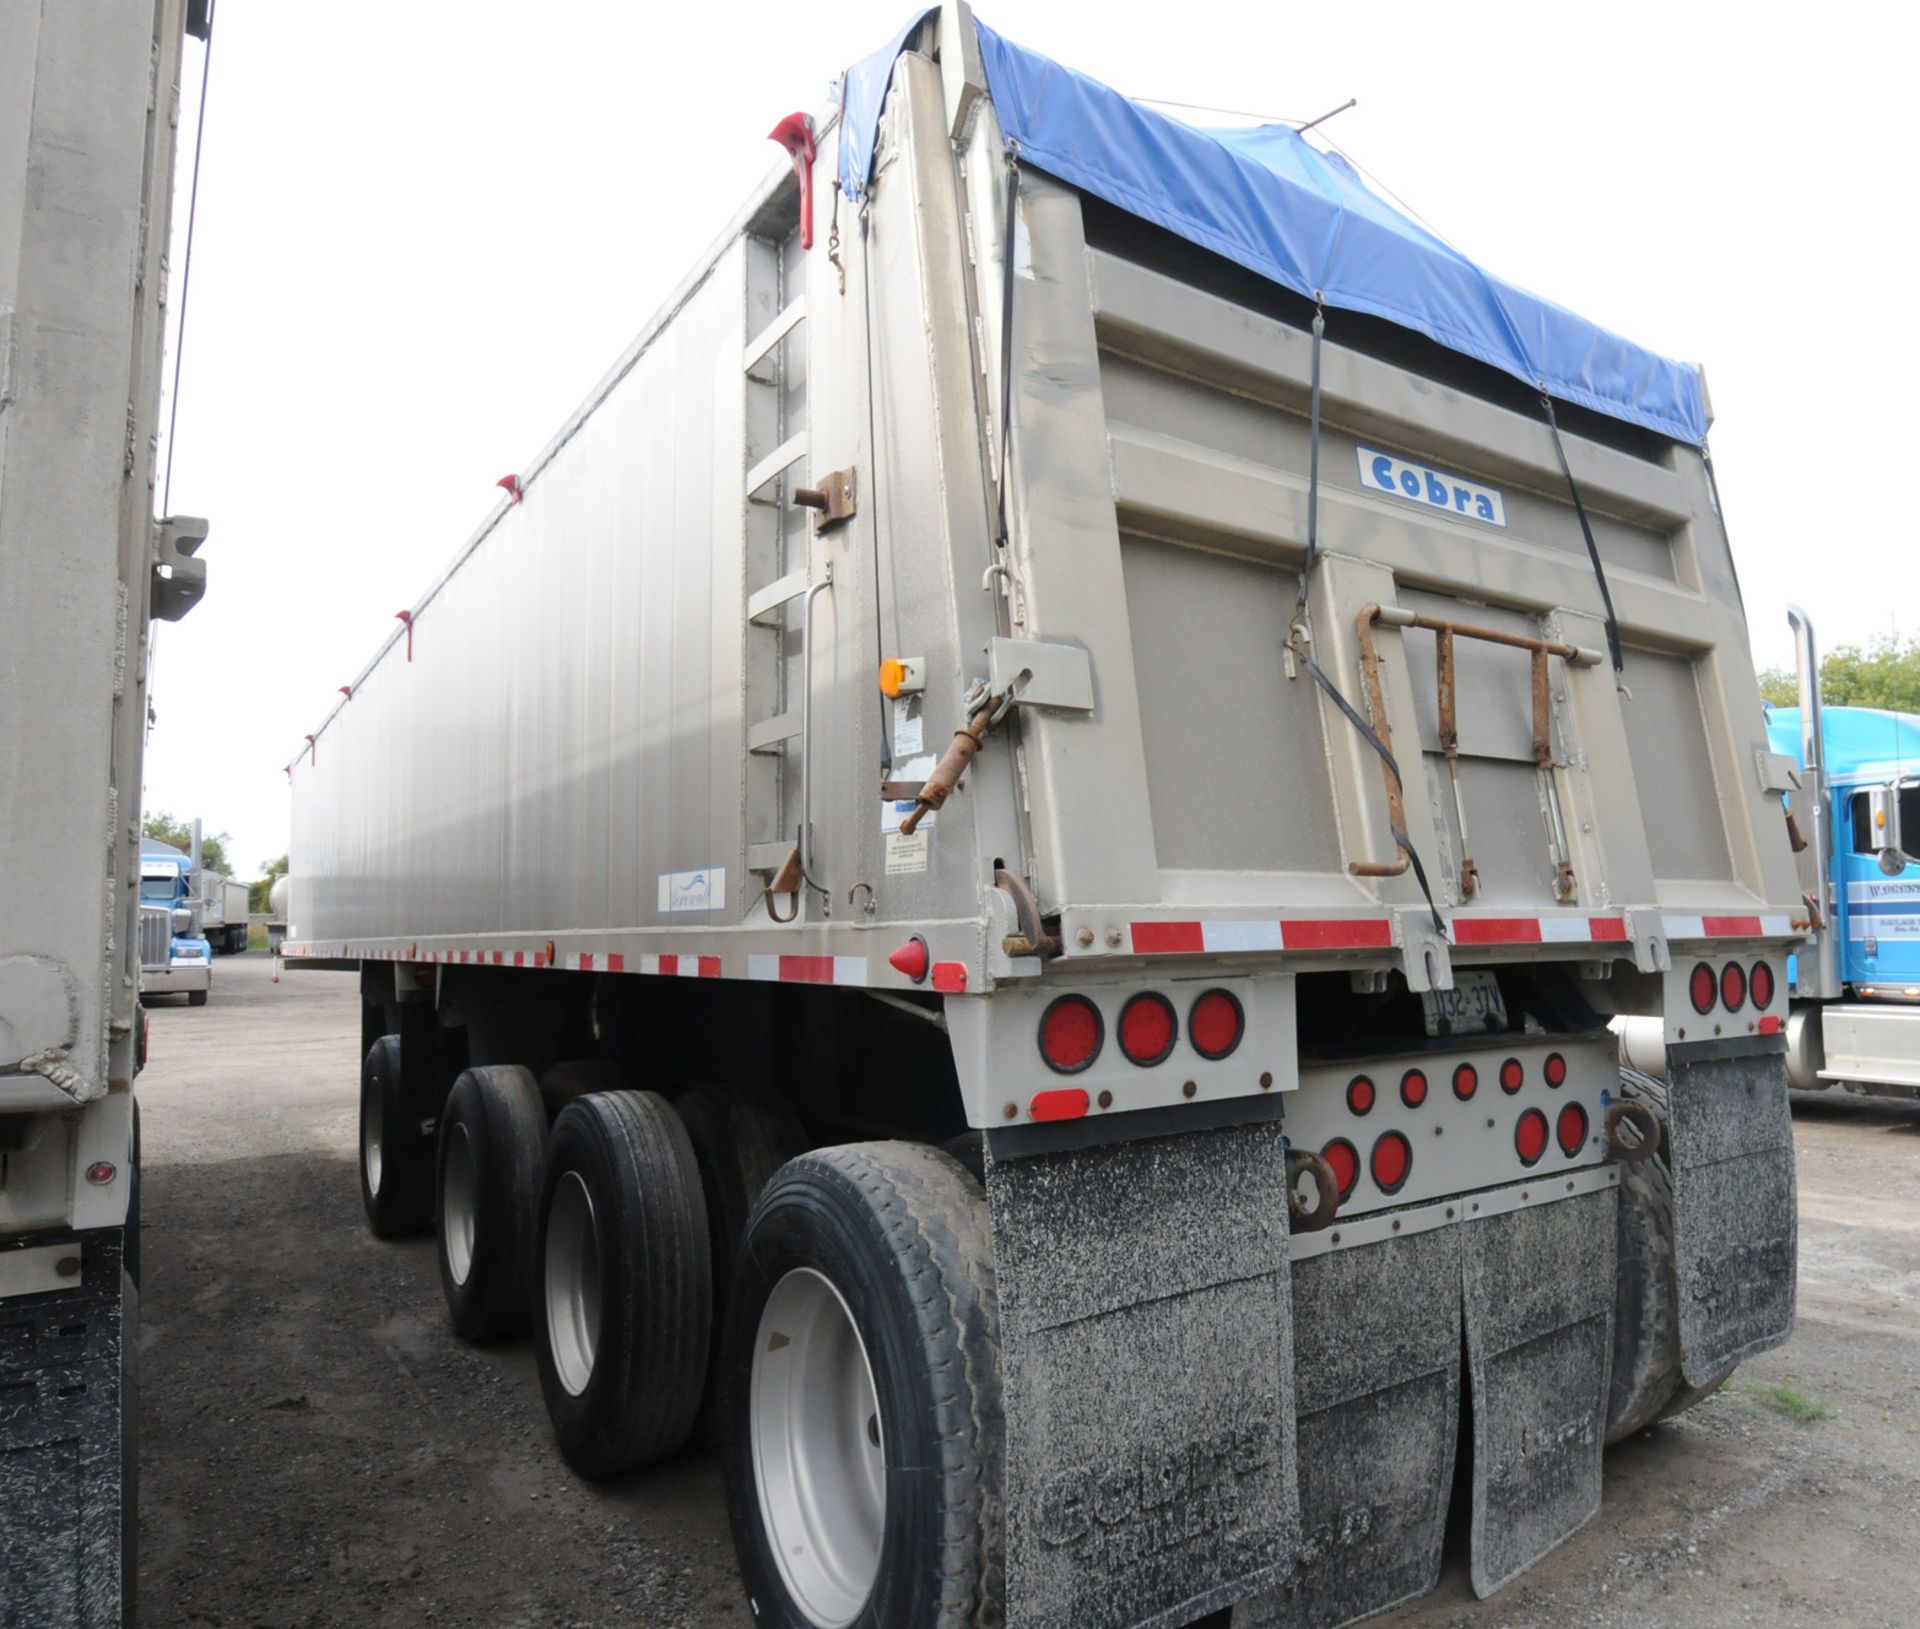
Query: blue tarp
x=1269, y=201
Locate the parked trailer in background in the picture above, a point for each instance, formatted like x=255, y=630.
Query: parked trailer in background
x=88, y=116
x=1086, y=1113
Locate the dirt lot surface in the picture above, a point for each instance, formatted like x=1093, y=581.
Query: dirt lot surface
x=317, y=1448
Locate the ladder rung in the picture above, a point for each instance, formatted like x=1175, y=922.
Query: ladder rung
x=788, y=453
x=775, y=594
x=773, y=333
x=769, y=733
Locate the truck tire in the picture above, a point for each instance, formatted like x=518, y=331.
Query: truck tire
x=487, y=1191
x=739, y=1142
x=1646, y=1315
x=860, y=1396
x=198, y=998
x=623, y=1291
x=396, y=1160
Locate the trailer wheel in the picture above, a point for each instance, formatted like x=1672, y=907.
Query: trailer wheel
x=396, y=1160
x=1646, y=1313
x=487, y=1180
x=623, y=1282
x=739, y=1142
x=861, y=1396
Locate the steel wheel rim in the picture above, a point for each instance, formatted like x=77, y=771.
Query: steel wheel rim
x=372, y=1128
x=573, y=1283
x=456, y=1221
x=819, y=1451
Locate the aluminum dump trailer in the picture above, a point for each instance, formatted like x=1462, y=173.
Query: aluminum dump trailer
x=88, y=113
x=883, y=880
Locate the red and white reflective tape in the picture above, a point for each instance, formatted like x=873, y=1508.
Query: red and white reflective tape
x=808, y=969
x=1537, y=930
x=1225, y=937
x=1729, y=927
x=682, y=967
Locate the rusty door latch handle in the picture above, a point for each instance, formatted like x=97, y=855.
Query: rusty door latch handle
x=938, y=787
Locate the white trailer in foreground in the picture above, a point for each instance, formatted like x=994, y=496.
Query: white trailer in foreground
x=88, y=115
x=1005, y=870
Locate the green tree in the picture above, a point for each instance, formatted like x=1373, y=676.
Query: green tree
x=257, y=891
x=1886, y=673
x=163, y=828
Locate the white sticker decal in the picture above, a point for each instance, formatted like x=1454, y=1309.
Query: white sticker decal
x=909, y=726
x=893, y=811
x=907, y=851
x=1431, y=488
x=694, y=890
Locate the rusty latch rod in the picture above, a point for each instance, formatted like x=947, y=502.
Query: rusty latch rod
x=938, y=787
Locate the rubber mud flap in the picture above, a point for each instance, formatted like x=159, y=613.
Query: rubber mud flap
x=1147, y=1362
x=1734, y=1213
x=1539, y=1317
x=1377, y=1383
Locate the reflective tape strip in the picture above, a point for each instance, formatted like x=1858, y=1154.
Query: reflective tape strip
x=809, y=969
x=1537, y=930
x=1229, y=936
x=1728, y=927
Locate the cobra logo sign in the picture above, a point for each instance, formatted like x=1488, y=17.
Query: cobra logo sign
x=1431, y=488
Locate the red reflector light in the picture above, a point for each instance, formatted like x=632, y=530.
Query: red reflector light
x=911, y=959
x=100, y=1173
x=1702, y=987
x=1555, y=1069
x=1147, y=1028
x=1216, y=1024
x=1771, y=1024
x=1058, y=1103
x=1760, y=985
x=1344, y=1162
x=1413, y=1088
x=1571, y=1129
x=1512, y=1076
x=1530, y=1137
x=1466, y=1081
x=1391, y=1162
x=1733, y=986
x=1070, y=1034
x=1360, y=1094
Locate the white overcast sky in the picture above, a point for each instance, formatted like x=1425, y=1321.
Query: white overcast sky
x=427, y=228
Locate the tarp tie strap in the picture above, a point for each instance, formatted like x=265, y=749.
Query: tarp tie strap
x=1586, y=531
x=1298, y=637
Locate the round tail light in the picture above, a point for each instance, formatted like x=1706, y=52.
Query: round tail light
x=1760, y=985
x=1733, y=986
x=1701, y=987
x=1512, y=1076
x=1216, y=1024
x=1466, y=1081
x=1391, y=1162
x=1530, y=1137
x=1344, y=1161
x=1571, y=1129
x=1413, y=1088
x=1555, y=1069
x=1071, y=1033
x=1360, y=1095
x=1147, y=1029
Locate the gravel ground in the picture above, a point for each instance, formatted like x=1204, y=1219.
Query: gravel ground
x=317, y=1448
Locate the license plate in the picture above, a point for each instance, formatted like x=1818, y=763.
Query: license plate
x=1472, y=1004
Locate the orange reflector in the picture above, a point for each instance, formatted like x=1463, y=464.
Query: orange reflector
x=1058, y=1103
x=893, y=674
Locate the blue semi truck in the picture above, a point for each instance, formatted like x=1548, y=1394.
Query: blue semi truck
x=175, y=955
x=1850, y=781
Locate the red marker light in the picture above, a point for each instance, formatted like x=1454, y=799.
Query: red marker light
x=1530, y=1137
x=1555, y=1069
x=911, y=960
x=1733, y=986
x=1571, y=1129
x=1760, y=984
x=1070, y=1034
x=1413, y=1088
x=1147, y=1028
x=1360, y=1095
x=1512, y=1076
x=1701, y=988
x=1215, y=1024
x=1466, y=1081
x=1391, y=1162
x=1058, y=1103
x=1344, y=1162
x=101, y=1172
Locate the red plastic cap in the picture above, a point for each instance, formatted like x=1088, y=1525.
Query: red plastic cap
x=911, y=959
x=510, y=484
